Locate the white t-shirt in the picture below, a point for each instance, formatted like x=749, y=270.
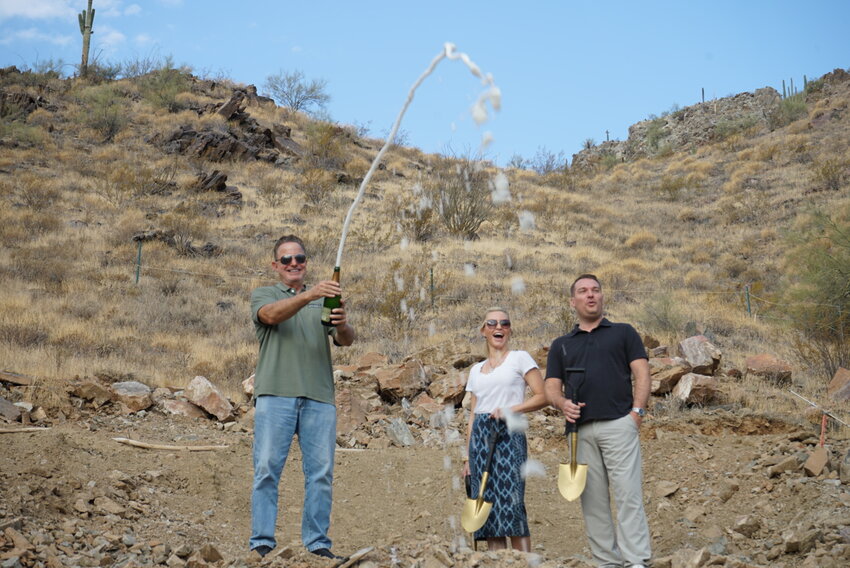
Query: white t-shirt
x=502, y=387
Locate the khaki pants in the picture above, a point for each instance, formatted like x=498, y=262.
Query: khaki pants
x=611, y=450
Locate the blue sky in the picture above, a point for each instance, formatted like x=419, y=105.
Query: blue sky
x=568, y=71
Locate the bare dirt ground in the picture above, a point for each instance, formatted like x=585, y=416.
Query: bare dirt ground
x=722, y=487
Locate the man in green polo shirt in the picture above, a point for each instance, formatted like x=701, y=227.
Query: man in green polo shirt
x=294, y=394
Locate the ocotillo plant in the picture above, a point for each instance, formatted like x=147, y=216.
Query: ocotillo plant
x=86, y=18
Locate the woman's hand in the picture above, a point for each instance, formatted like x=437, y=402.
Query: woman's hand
x=466, y=471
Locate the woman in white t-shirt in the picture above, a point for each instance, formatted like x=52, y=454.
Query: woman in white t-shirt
x=497, y=386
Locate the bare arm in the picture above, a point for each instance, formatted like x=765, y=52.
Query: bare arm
x=473, y=401
x=537, y=400
x=641, y=384
x=283, y=309
x=345, y=334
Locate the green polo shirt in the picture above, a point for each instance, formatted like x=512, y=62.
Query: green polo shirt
x=295, y=355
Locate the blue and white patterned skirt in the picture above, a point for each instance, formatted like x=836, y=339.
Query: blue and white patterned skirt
x=505, y=486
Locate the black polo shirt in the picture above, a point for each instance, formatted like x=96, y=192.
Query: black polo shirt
x=605, y=353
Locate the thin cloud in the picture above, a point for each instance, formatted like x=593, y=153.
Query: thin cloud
x=35, y=35
x=143, y=40
x=110, y=39
x=36, y=9
x=132, y=10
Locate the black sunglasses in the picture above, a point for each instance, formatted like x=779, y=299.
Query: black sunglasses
x=492, y=323
x=287, y=258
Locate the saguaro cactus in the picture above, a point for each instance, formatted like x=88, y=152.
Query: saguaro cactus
x=86, y=18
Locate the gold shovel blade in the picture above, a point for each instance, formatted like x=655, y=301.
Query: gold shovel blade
x=474, y=514
x=475, y=511
x=571, y=481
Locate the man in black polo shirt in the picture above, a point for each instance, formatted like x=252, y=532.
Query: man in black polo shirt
x=608, y=409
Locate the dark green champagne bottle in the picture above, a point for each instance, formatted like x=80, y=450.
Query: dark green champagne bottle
x=331, y=303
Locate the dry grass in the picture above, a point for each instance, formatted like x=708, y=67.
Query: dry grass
x=674, y=238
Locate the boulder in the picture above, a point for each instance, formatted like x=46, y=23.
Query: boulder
x=818, y=461
x=769, y=368
x=350, y=412
x=695, y=389
x=449, y=388
x=666, y=373
x=402, y=381
x=747, y=525
x=844, y=469
x=371, y=359
x=94, y=392
x=248, y=386
x=203, y=393
x=9, y=411
x=179, y=407
x=838, y=388
x=399, y=433
x=701, y=354
x=135, y=396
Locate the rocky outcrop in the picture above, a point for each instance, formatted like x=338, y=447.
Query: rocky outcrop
x=686, y=128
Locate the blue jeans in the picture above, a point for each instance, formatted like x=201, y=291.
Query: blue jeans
x=276, y=420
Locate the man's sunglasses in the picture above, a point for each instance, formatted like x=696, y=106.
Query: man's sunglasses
x=287, y=258
x=492, y=323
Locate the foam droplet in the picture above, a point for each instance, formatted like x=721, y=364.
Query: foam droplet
x=526, y=220
x=517, y=285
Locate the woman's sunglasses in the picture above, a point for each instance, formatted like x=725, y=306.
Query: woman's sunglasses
x=493, y=323
x=287, y=258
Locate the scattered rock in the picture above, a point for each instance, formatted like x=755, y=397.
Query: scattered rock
x=203, y=393
x=769, y=368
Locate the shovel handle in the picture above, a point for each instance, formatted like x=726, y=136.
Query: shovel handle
x=491, y=449
x=571, y=426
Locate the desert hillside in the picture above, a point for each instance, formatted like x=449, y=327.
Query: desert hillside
x=139, y=213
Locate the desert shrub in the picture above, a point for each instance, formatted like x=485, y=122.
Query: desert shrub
x=661, y=315
x=291, y=89
x=670, y=186
x=415, y=216
x=687, y=215
x=325, y=146
x=518, y=162
x=141, y=65
x=655, y=132
x=104, y=111
x=727, y=127
x=316, y=185
x=698, y=279
x=161, y=87
x=546, y=162
x=33, y=191
x=122, y=182
x=460, y=191
x=642, y=240
x=608, y=161
x=787, y=111
x=102, y=71
x=402, y=298
x=25, y=336
x=818, y=291
x=732, y=266
x=23, y=134
x=830, y=173
x=40, y=266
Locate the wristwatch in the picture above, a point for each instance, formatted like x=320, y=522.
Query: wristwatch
x=639, y=411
